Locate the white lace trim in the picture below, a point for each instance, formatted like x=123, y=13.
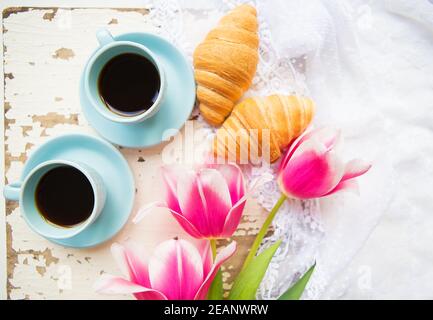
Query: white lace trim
x=166, y=16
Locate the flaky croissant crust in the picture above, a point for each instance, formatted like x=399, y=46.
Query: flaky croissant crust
x=261, y=128
x=225, y=63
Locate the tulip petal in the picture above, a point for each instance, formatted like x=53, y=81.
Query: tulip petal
x=144, y=211
x=170, y=175
x=187, y=225
x=233, y=218
x=131, y=263
x=119, y=257
x=327, y=136
x=234, y=179
x=235, y=214
x=347, y=185
x=206, y=255
x=293, y=147
x=355, y=168
x=184, y=223
x=192, y=201
x=109, y=284
x=221, y=257
x=311, y=167
x=176, y=269
x=116, y=285
x=308, y=144
x=218, y=202
x=336, y=164
x=311, y=172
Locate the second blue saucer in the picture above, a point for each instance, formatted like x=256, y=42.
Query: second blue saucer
x=106, y=160
x=175, y=109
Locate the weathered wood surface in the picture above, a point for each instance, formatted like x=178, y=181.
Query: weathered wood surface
x=44, y=53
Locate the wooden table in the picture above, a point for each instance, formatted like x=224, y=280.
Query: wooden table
x=44, y=52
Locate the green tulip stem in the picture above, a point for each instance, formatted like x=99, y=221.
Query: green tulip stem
x=263, y=231
x=213, y=247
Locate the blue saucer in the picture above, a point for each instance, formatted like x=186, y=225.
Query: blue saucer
x=114, y=171
x=176, y=107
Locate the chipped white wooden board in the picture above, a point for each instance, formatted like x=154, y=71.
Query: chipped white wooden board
x=45, y=52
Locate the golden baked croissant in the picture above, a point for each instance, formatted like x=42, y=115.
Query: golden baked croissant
x=225, y=63
x=260, y=128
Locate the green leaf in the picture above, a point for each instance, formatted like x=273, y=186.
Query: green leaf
x=295, y=292
x=248, y=280
x=216, y=288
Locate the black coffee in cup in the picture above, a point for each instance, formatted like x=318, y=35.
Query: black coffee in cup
x=129, y=84
x=64, y=196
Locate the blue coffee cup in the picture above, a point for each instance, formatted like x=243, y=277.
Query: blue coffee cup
x=24, y=192
x=110, y=48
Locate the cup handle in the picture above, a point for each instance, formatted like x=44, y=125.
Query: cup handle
x=104, y=36
x=12, y=191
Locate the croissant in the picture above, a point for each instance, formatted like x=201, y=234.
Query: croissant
x=225, y=63
x=261, y=128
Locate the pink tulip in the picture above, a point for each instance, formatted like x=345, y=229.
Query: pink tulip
x=177, y=270
x=313, y=168
x=207, y=202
